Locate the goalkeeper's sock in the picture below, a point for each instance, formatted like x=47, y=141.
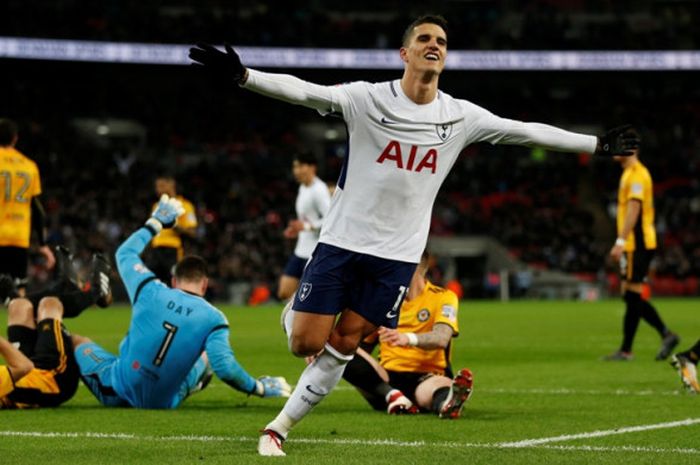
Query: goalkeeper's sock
x=316, y=381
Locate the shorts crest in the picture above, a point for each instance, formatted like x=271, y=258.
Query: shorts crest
x=304, y=291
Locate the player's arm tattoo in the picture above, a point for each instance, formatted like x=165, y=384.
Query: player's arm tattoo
x=438, y=338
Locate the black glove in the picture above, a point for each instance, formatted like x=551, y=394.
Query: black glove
x=618, y=141
x=223, y=64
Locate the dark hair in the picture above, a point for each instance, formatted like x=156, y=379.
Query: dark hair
x=306, y=158
x=430, y=19
x=166, y=176
x=8, y=132
x=191, y=268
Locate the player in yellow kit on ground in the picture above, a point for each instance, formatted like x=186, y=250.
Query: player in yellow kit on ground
x=42, y=343
x=414, y=370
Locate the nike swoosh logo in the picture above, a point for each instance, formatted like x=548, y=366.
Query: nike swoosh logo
x=308, y=388
x=391, y=314
x=386, y=121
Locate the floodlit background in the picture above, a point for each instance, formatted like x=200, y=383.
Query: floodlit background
x=525, y=222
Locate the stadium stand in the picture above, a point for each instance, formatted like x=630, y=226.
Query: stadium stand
x=105, y=130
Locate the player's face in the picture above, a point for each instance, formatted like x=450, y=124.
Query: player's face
x=622, y=160
x=427, y=49
x=303, y=172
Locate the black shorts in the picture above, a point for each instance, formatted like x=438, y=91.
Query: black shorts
x=407, y=382
x=50, y=347
x=634, y=266
x=161, y=261
x=295, y=266
x=13, y=261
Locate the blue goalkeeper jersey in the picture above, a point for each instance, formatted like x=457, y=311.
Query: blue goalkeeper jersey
x=169, y=330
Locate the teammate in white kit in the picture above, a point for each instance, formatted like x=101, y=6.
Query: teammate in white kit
x=312, y=204
x=404, y=137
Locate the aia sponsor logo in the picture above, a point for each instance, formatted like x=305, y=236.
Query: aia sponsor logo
x=409, y=158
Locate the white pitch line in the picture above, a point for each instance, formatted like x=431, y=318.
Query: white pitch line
x=355, y=442
x=583, y=392
x=600, y=433
x=546, y=391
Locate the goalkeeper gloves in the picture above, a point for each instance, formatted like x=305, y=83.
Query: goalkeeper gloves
x=272, y=386
x=166, y=213
x=222, y=64
x=618, y=141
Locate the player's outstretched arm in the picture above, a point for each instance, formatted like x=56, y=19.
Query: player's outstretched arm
x=18, y=364
x=227, y=368
x=131, y=268
x=227, y=65
x=497, y=130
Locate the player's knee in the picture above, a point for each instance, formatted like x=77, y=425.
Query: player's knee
x=50, y=307
x=20, y=311
x=304, y=347
x=346, y=344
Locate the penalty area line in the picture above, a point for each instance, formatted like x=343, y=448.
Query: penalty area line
x=527, y=444
x=600, y=433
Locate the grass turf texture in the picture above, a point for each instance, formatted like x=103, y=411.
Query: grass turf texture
x=537, y=374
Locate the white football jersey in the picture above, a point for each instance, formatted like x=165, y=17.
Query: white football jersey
x=312, y=205
x=399, y=155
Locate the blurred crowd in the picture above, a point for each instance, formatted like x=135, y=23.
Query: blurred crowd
x=230, y=151
x=480, y=24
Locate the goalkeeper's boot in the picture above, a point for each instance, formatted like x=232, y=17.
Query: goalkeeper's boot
x=270, y=443
x=399, y=404
x=8, y=289
x=65, y=271
x=668, y=343
x=100, y=281
x=687, y=371
x=459, y=394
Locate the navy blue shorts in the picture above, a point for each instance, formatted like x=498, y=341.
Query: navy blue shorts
x=295, y=266
x=336, y=279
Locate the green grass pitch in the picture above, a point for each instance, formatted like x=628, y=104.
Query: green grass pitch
x=537, y=377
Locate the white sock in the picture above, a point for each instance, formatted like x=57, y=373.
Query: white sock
x=316, y=381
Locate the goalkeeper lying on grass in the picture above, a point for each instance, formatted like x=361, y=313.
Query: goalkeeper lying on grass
x=175, y=339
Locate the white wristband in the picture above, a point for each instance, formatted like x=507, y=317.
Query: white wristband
x=620, y=241
x=155, y=224
x=412, y=339
x=259, y=388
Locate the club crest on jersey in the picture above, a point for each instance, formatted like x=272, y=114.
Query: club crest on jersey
x=444, y=131
x=304, y=291
x=423, y=315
